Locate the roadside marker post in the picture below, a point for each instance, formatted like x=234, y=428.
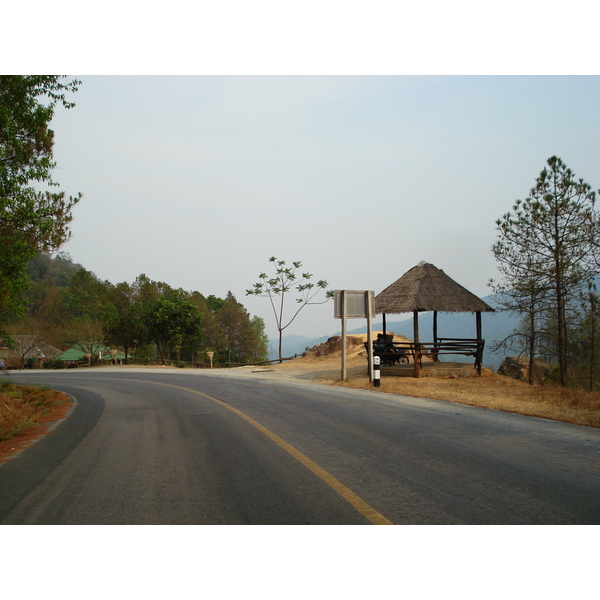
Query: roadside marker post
x=376, y=371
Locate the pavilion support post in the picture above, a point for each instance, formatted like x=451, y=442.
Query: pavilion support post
x=369, y=303
x=417, y=355
x=435, y=335
x=479, y=359
x=383, y=323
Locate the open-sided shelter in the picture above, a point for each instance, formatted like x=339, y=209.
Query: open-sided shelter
x=425, y=288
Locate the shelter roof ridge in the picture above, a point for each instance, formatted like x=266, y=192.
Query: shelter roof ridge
x=427, y=288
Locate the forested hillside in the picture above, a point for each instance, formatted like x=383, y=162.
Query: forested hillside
x=68, y=306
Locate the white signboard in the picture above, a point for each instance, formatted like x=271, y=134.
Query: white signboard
x=356, y=304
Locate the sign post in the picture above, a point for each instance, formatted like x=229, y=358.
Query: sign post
x=344, y=323
x=370, y=314
x=355, y=304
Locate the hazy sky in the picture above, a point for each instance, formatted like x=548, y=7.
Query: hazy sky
x=198, y=180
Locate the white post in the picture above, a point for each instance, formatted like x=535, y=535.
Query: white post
x=376, y=372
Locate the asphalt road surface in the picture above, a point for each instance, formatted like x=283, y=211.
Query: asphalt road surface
x=183, y=447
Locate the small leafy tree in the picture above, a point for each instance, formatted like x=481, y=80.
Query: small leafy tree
x=282, y=283
x=261, y=340
x=128, y=331
x=172, y=321
x=28, y=345
x=243, y=337
x=213, y=337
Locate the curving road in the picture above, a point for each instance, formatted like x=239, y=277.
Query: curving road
x=195, y=447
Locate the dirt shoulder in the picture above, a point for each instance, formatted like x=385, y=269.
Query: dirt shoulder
x=323, y=365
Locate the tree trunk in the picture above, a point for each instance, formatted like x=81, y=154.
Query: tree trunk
x=531, y=349
x=562, y=342
x=592, y=341
x=280, y=344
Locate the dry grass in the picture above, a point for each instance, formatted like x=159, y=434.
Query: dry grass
x=489, y=391
x=497, y=392
x=25, y=414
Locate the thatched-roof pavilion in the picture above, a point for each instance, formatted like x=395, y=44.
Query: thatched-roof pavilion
x=426, y=288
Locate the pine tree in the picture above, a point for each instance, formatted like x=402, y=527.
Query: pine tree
x=547, y=248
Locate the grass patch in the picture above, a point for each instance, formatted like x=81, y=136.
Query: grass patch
x=28, y=409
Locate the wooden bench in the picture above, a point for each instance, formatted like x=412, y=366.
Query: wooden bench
x=442, y=346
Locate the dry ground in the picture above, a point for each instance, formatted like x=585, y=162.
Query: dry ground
x=52, y=407
x=323, y=364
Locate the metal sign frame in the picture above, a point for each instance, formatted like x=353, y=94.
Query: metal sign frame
x=355, y=304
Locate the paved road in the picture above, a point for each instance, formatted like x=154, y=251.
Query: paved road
x=181, y=447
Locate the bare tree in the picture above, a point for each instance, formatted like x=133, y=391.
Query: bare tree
x=28, y=338
x=87, y=335
x=278, y=286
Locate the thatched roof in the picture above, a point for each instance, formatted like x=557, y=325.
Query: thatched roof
x=427, y=288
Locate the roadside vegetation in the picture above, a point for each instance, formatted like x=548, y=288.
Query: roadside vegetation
x=67, y=306
x=26, y=412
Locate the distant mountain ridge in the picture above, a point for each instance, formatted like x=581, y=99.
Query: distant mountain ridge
x=495, y=326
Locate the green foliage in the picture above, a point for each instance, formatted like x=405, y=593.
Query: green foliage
x=59, y=269
x=129, y=330
x=285, y=280
x=86, y=295
x=243, y=338
x=215, y=304
x=172, y=321
x=32, y=218
x=261, y=339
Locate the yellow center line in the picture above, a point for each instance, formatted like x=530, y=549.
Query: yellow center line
x=356, y=501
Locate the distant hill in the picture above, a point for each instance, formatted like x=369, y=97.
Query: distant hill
x=496, y=326
x=293, y=344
